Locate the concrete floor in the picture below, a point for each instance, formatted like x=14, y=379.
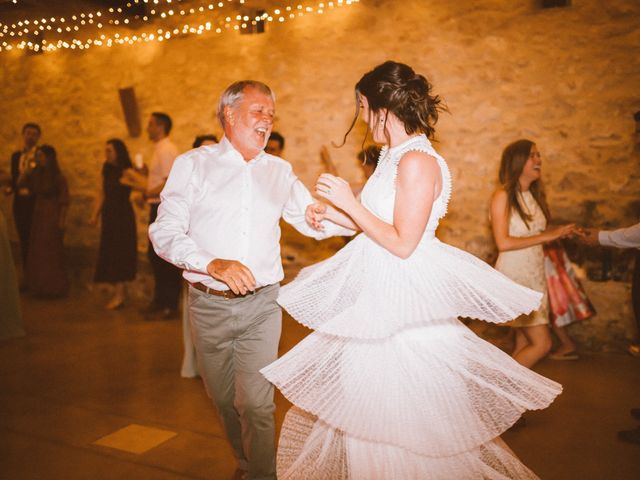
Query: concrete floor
x=82, y=373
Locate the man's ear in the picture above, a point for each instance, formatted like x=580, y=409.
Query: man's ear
x=228, y=115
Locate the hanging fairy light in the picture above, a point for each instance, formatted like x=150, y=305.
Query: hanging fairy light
x=237, y=23
x=30, y=26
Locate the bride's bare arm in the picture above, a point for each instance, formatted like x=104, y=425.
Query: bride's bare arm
x=319, y=211
x=418, y=183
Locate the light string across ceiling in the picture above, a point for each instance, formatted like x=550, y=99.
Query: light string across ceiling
x=205, y=22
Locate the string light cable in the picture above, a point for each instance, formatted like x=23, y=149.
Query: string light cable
x=212, y=20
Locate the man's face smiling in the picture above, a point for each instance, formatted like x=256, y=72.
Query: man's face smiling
x=250, y=121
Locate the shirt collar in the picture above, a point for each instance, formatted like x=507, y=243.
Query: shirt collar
x=228, y=150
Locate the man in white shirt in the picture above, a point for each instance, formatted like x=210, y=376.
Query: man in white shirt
x=166, y=276
x=218, y=221
x=623, y=238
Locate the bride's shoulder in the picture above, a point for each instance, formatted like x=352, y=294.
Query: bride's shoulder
x=417, y=163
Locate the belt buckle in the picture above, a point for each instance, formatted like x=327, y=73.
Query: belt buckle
x=225, y=294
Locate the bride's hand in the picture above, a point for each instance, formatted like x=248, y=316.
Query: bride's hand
x=336, y=190
x=314, y=215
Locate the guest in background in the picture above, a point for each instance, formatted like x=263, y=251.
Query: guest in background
x=23, y=200
x=275, y=144
x=117, y=255
x=46, y=269
x=189, y=367
x=623, y=238
x=519, y=216
x=207, y=139
x=166, y=276
x=10, y=318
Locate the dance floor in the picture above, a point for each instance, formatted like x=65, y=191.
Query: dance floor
x=90, y=394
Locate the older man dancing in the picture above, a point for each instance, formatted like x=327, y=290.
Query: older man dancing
x=218, y=220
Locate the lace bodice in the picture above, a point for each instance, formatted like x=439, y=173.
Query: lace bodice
x=538, y=222
x=379, y=193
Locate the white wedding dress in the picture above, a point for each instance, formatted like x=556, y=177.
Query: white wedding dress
x=391, y=385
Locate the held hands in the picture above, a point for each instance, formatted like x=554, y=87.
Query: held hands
x=238, y=277
x=589, y=236
x=315, y=213
x=336, y=190
x=561, y=231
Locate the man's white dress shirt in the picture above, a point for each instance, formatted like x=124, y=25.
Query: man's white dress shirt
x=164, y=154
x=217, y=205
x=622, y=238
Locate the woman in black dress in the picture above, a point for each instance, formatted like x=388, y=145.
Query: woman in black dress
x=117, y=255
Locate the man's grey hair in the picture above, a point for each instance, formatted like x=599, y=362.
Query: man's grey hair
x=235, y=92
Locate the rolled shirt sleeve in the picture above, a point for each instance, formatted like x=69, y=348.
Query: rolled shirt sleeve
x=621, y=238
x=294, y=214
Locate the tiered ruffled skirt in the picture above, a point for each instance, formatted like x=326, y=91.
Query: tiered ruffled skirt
x=391, y=385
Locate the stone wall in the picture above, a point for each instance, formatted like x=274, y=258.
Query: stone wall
x=567, y=78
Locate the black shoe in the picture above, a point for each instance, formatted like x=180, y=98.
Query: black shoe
x=168, y=314
x=635, y=413
x=630, y=436
x=151, y=309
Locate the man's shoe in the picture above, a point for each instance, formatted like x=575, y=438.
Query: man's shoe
x=168, y=314
x=151, y=309
x=630, y=436
x=635, y=413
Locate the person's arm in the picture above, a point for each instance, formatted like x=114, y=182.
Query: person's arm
x=97, y=208
x=500, y=227
x=296, y=210
x=134, y=179
x=319, y=211
x=63, y=199
x=168, y=234
x=416, y=185
x=166, y=158
x=11, y=187
x=621, y=238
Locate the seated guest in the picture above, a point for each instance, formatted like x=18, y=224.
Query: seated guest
x=46, y=269
x=117, y=255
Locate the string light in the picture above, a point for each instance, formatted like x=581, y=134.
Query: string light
x=83, y=18
x=238, y=23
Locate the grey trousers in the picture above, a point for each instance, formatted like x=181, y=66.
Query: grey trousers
x=234, y=339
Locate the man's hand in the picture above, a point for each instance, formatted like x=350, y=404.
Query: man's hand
x=238, y=277
x=589, y=236
x=314, y=215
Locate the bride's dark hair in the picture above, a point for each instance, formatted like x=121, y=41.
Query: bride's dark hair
x=395, y=87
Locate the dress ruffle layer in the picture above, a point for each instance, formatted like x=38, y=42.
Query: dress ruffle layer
x=364, y=291
x=309, y=449
x=437, y=390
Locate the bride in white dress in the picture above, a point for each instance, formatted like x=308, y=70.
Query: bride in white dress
x=391, y=385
